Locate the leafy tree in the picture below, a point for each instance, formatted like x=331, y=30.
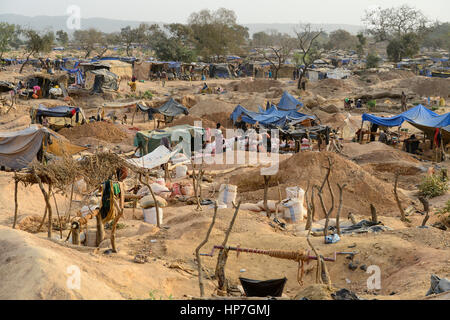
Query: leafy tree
x=130, y=36
x=105, y=42
x=62, y=37
x=403, y=46
x=373, y=60
x=341, y=39
x=217, y=33
x=36, y=43
x=362, y=41
x=174, y=43
x=87, y=40
x=8, y=32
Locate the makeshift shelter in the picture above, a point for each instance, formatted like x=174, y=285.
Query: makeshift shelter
x=141, y=70
x=122, y=69
x=102, y=79
x=46, y=82
x=6, y=86
x=288, y=102
x=148, y=141
x=157, y=157
x=220, y=70
x=420, y=117
x=58, y=117
x=171, y=109
x=270, y=117
x=19, y=148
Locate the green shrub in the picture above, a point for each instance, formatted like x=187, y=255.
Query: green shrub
x=434, y=186
x=147, y=95
x=372, y=104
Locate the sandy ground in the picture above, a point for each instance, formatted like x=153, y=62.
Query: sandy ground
x=34, y=267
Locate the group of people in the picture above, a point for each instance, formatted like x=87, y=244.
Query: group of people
x=348, y=103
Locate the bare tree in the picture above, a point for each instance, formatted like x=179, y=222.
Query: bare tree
x=306, y=39
x=278, y=51
x=385, y=23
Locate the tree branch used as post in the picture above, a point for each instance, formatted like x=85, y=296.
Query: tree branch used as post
x=197, y=252
x=266, y=191
x=223, y=255
x=397, y=199
x=16, y=205
x=341, y=203
x=426, y=208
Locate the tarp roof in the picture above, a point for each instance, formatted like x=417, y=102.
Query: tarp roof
x=59, y=112
x=173, y=108
x=272, y=116
x=420, y=117
x=288, y=102
x=19, y=148
x=148, y=141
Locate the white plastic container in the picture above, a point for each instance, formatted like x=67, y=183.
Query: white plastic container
x=293, y=211
x=294, y=193
x=150, y=216
x=181, y=171
x=227, y=194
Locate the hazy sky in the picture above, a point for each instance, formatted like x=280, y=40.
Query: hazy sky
x=248, y=11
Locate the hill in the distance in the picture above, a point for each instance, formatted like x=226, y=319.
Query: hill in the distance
x=110, y=25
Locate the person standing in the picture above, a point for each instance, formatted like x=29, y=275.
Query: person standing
x=164, y=78
x=404, y=107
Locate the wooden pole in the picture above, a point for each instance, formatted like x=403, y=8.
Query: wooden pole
x=16, y=205
x=197, y=252
x=397, y=199
x=223, y=255
x=59, y=218
x=361, y=133
x=426, y=208
x=114, y=226
x=266, y=191
x=341, y=203
x=100, y=229
x=373, y=211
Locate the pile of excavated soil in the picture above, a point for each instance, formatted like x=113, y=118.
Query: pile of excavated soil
x=427, y=87
x=256, y=85
x=208, y=106
x=101, y=130
x=190, y=120
x=376, y=152
x=331, y=87
x=306, y=168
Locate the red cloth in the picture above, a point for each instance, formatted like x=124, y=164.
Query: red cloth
x=436, y=134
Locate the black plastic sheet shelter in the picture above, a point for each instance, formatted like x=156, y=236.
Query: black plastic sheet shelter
x=173, y=109
x=268, y=288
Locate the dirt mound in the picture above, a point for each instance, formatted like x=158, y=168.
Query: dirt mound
x=190, y=120
x=209, y=105
x=376, y=152
x=395, y=74
x=309, y=168
x=101, y=130
x=28, y=260
x=427, y=87
x=257, y=85
x=315, y=292
x=331, y=85
x=188, y=101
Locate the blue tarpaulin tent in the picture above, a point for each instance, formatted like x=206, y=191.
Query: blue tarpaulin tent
x=272, y=116
x=288, y=102
x=419, y=116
